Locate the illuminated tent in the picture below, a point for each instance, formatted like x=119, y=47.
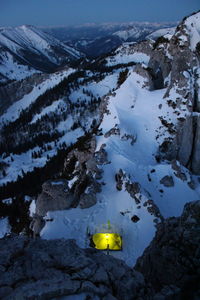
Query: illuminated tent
x=105, y=241
x=106, y=238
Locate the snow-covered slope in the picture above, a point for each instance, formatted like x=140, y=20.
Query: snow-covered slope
x=16, y=108
x=138, y=116
x=135, y=112
x=97, y=39
x=192, y=24
x=11, y=69
x=133, y=34
x=129, y=53
x=166, y=32
x=80, y=104
x=26, y=48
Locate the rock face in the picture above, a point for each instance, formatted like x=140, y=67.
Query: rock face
x=49, y=269
x=87, y=200
x=40, y=269
x=167, y=181
x=55, y=196
x=82, y=170
x=83, y=164
x=196, y=149
x=174, y=64
x=173, y=257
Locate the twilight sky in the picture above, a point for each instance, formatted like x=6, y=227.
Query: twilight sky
x=73, y=12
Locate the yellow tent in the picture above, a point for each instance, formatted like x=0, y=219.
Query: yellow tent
x=107, y=241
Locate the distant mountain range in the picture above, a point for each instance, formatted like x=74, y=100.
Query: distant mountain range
x=26, y=50
x=98, y=39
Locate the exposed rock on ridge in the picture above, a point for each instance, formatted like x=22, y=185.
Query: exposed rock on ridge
x=39, y=269
x=173, y=257
x=174, y=64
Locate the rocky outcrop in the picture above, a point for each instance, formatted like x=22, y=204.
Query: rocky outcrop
x=144, y=72
x=112, y=131
x=133, y=188
x=173, y=258
x=195, y=163
x=55, y=195
x=49, y=269
x=167, y=181
x=159, y=65
x=82, y=167
x=36, y=225
x=178, y=63
x=178, y=171
x=139, y=195
x=41, y=269
x=130, y=137
x=87, y=200
x=82, y=173
x=119, y=178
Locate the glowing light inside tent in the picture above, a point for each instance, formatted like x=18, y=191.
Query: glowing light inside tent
x=104, y=241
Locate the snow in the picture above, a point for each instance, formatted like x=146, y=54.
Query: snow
x=12, y=70
x=7, y=201
x=135, y=111
x=125, y=55
x=4, y=227
x=193, y=28
x=65, y=125
x=54, y=107
x=126, y=34
x=32, y=208
x=166, y=32
x=71, y=182
x=25, y=163
x=71, y=136
x=27, y=198
x=14, y=110
x=33, y=39
x=98, y=89
x=57, y=183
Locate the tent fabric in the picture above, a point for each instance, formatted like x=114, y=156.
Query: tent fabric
x=104, y=241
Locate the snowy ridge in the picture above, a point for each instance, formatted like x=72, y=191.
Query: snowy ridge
x=97, y=39
x=26, y=49
x=193, y=28
x=32, y=39
x=166, y=32
x=127, y=54
x=131, y=33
